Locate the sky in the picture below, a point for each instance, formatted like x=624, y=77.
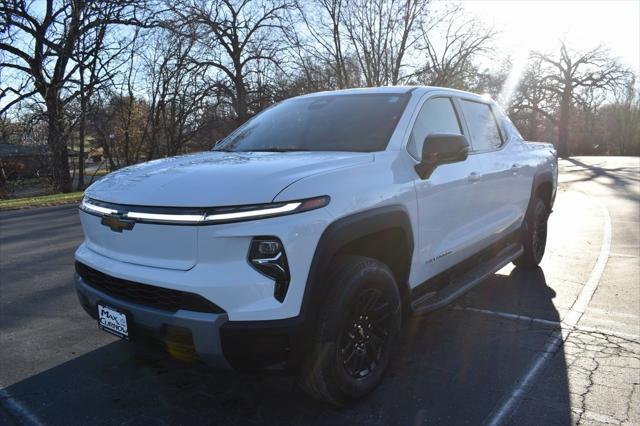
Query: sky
x=539, y=25
x=526, y=25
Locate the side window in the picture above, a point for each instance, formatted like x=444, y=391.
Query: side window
x=483, y=127
x=436, y=116
x=509, y=129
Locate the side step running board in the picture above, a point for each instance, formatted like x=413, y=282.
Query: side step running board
x=460, y=284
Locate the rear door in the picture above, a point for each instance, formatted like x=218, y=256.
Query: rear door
x=498, y=211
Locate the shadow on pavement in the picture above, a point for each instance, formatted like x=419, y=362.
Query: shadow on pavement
x=625, y=178
x=452, y=367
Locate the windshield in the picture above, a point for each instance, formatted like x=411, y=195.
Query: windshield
x=361, y=122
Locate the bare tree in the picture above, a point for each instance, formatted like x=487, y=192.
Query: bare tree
x=451, y=42
x=624, y=116
x=532, y=102
x=178, y=91
x=100, y=54
x=117, y=111
x=87, y=63
x=39, y=49
x=233, y=36
x=382, y=32
x=101, y=114
x=570, y=75
x=90, y=74
x=324, y=21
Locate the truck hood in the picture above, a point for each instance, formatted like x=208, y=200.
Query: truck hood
x=216, y=178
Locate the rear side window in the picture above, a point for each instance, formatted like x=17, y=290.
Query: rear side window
x=483, y=127
x=436, y=116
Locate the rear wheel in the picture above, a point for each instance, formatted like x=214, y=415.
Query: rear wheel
x=535, y=235
x=357, y=332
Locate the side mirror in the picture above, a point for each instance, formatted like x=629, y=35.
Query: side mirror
x=441, y=148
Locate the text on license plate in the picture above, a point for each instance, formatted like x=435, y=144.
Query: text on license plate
x=113, y=321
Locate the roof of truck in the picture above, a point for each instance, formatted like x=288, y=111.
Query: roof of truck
x=392, y=90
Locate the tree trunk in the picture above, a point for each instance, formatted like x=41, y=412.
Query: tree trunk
x=58, y=148
x=81, y=133
x=241, y=100
x=563, y=125
x=532, y=129
x=108, y=154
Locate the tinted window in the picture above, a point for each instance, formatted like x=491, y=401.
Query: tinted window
x=436, y=116
x=322, y=123
x=482, y=124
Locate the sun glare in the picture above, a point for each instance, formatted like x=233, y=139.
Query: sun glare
x=518, y=67
x=539, y=25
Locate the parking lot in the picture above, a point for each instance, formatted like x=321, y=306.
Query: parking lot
x=558, y=345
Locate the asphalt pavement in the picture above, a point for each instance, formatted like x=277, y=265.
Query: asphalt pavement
x=558, y=345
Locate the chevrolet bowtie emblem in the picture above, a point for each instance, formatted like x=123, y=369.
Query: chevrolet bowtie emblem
x=117, y=223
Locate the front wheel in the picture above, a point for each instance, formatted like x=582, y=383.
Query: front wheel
x=535, y=235
x=358, y=329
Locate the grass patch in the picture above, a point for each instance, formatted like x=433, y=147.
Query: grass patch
x=89, y=174
x=100, y=172
x=45, y=200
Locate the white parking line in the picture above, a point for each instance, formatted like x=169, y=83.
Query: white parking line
x=17, y=410
x=570, y=321
x=533, y=320
x=508, y=315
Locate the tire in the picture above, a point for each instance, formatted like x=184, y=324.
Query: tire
x=535, y=235
x=357, y=332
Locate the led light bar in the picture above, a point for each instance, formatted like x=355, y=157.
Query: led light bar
x=252, y=213
x=201, y=216
x=92, y=208
x=166, y=217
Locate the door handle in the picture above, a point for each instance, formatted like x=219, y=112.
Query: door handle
x=473, y=177
x=515, y=168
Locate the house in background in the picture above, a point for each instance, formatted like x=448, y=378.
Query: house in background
x=23, y=161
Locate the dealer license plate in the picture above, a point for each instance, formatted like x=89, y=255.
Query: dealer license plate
x=113, y=321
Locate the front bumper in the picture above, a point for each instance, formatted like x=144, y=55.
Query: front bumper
x=209, y=337
x=163, y=326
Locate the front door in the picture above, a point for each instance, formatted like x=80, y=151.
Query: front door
x=448, y=199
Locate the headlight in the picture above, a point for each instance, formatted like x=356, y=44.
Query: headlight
x=268, y=257
x=202, y=216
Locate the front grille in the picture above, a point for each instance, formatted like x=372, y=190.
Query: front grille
x=144, y=294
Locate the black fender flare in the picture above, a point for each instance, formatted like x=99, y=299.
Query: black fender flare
x=545, y=176
x=342, y=232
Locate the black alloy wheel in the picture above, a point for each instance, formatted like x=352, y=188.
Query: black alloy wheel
x=534, y=240
x=358, y=327
x=366, y=334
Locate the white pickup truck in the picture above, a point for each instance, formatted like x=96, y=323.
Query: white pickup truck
x=303, y=238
